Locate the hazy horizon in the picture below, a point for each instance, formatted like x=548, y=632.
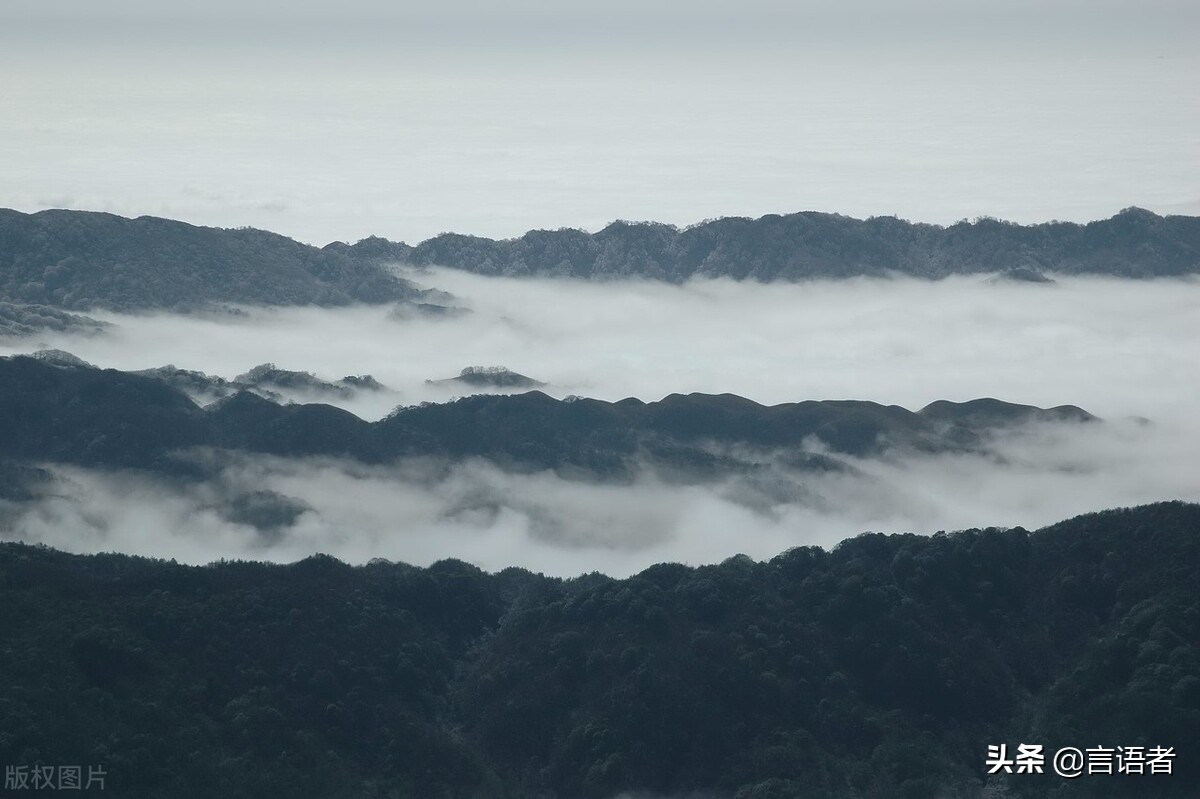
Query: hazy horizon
x=332, y=122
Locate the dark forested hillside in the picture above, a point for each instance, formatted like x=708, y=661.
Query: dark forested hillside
x=56, y=411
x=82, y=260
x=882, y=668
x=1134, y=243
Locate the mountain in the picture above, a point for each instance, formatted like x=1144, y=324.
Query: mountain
x=488, y=377
x=74, y=413
x=80, y=260
x=1135, y=243
x=884, y=667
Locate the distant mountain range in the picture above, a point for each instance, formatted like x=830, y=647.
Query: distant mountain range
x=79, y=260
x=57, y=411
x=1134, y=243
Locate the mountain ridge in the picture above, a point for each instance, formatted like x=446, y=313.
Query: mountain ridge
x=81, y=260
x=811, y=244
x=76, y=413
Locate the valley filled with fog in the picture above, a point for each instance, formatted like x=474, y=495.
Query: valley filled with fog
x=1115, y=347
x=1121, y=350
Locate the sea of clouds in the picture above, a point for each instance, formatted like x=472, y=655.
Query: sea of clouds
x=1123, y=350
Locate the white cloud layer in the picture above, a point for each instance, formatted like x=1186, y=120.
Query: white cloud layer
x=419, y=512
x=1116, y=348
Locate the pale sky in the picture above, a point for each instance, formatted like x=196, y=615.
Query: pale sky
x=329, y=121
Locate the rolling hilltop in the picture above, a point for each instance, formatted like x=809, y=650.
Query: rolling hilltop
x=78, y=260
x=1134, y=243
x=75, y=413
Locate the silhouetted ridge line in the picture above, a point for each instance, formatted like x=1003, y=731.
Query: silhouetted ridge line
x=79, y=260
x=60, y=411
x=1134, y=243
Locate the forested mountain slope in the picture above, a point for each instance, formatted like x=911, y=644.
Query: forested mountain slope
x=884, y=667
x=81, y=260
x=1134, y=243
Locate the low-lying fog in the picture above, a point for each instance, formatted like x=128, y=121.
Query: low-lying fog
x=1116, y=348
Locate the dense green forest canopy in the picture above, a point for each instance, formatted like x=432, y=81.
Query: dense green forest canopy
x=881, y=668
